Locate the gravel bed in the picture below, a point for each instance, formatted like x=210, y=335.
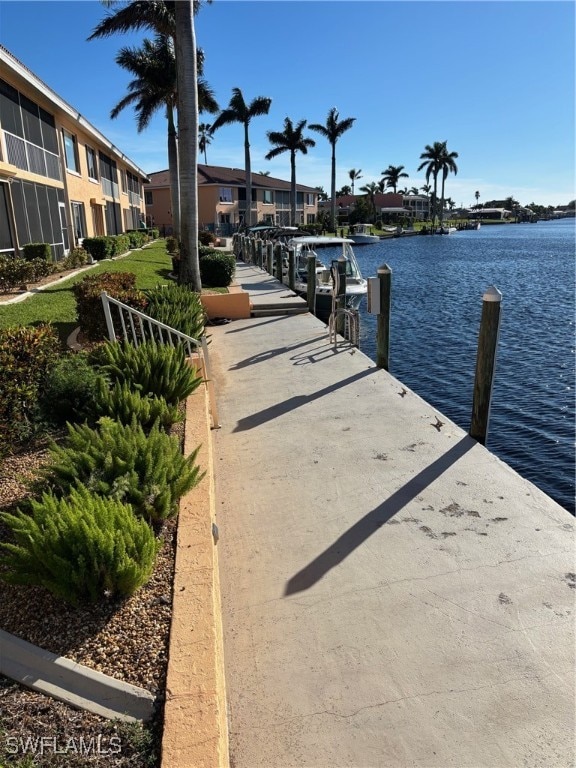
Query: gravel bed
x=127, y=640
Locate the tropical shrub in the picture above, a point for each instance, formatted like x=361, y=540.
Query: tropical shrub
x=137, y=238
x=77, y=257
x=119, y=285
x=98, y=247
x=205, y=237
x=119, y=244
x=153, y=369
x=37, y=251
x=217, y=269
x=70, y=389
x=122, y=462
x=124, y=404
x=83, y=548
x=179, y=307
x=26, y=355
x=172, y=246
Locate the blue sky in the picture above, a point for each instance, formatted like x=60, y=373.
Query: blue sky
x=496, y=80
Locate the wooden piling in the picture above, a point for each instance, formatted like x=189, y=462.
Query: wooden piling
x=485, y=363
x=291, y=268
x=259, y=253
x=278, y=261
x=383, y=318
x=269, y=257
x=311, y=294
x=341, y=294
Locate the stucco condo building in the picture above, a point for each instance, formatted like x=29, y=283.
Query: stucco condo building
x=60, y=179
x=222, y=200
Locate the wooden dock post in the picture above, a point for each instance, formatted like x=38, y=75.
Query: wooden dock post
x=278, y=261
x=291, y=268
x=341, y=294
x=270, y=257
x=311, y=284
x=383, y=318
x=485, y=363
x=253, y=250
x=259, y=253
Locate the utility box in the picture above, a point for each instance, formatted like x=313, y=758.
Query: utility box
x=374, y=295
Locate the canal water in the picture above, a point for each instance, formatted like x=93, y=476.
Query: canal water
x=437, y=287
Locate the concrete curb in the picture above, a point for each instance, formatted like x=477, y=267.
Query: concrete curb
x=72, y=683
x=195, y=722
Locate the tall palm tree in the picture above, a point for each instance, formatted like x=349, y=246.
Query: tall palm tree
x=381, y=186
x=413, y=191
x=168, y=18
x=371, y=189
x=477, y=196
x=447, y=165
x=354, y=175
x=332, y=131
x=187, y=82
x=431, y=158
x=204, y=137
x=240, y=112
x=392, y=176
x=292, y=140
x=154, y=86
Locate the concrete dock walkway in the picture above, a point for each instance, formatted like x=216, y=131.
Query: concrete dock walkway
x=393, y=594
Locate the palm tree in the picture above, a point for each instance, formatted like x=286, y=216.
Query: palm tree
x=291, y=140
x=477, y=196
x=332, y=131
x=414, y=191
x=431, y=158
x=354, y=175
x=174, y=19
x=344, y=191
x=371, y=189
x=204, y=137
x=447, y=165
x=382, y=186
x=154, y=86
x=240, y=112
x=393, y=174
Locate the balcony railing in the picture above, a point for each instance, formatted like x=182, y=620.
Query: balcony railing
x=110, y=188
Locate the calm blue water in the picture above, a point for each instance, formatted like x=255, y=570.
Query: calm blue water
x=437, y=287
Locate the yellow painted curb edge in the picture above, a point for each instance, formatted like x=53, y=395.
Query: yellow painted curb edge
x=195, y=720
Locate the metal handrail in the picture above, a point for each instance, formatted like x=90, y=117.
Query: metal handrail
x=164, y=335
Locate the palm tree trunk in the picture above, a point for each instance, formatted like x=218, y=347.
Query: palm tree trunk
x=188, y=143
x=173, y=168
x=293, y=187
x=248, y=171
x=435, y=199
x=333, y=188
x=442, y=199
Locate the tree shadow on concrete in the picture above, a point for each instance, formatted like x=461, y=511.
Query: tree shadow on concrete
x=280, y=409
x=374, y=520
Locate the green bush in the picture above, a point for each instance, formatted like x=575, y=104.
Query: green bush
x=40, y=268
x=26, y=356
x=14, y=273
x=70, y=390
x=122, y=462
x=98, y=247
x=83, y=549
x=119, y=244
x=137, y=238
x=119, y=285
x=172, y=246
x=124, y=404
x=206, y=238
x=217, y=269
x=153, y=369
x=77, y=257
x=37, y=251
x=177, y=306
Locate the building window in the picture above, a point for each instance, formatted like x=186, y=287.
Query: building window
x=310, y=218
x=70, y=151
x=91, y=163
x=268, y=196
x=123, y=181
x=309, y=198
x=225, y=194
x=79, y=220
x=148, y=197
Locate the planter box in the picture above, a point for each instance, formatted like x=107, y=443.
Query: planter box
x=235, y=304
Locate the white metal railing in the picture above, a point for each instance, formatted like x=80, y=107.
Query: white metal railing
x=137, y=327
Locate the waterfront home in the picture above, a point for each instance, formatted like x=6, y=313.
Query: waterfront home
x=60, y=179
x=222, y=200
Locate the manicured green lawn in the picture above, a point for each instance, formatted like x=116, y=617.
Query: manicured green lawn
x=57, y=305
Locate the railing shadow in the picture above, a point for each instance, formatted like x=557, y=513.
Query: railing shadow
x=374, y=520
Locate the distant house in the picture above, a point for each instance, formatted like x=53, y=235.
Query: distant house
x=491, y=213
x=222, y=200
x=389, y=206
x=60, y=179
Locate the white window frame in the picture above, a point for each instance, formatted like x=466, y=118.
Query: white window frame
x=66, y=134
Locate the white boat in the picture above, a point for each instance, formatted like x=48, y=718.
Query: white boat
x=446, y=230
x=356, y=284
x=362, y=234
